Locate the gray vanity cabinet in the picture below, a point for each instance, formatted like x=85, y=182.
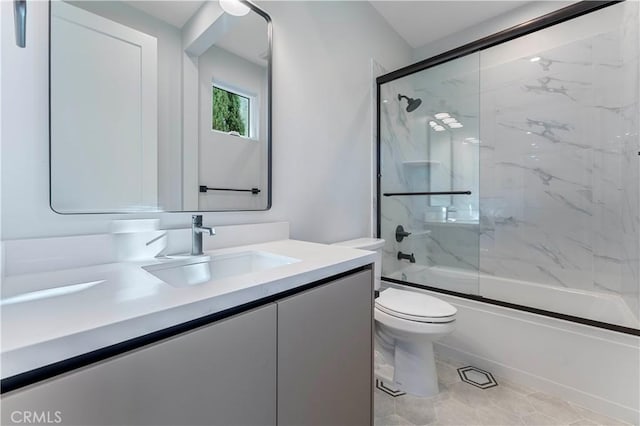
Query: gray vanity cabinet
x=221, y=374
x=325, y=354
x=301, y=360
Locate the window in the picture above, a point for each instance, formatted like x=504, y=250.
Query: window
x=230, y=112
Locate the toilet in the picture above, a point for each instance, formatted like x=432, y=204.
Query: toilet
x=406, y=325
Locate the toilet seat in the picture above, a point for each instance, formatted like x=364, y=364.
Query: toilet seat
x=414, y=306
x=410, y=330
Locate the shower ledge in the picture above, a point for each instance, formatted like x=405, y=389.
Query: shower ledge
x=458, y=222
x=418, y=163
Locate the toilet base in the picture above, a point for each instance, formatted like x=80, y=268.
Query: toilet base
x=415, y=368
x=408, y=346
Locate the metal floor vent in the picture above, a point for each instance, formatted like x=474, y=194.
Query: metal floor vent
x=476, y=377
x=389, y=391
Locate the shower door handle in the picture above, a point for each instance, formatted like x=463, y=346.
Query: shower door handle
x=395, y=194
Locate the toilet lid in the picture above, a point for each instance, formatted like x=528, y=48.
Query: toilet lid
x=415, y=306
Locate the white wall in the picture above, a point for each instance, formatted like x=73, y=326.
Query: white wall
x=231, y=161
x=321, y=128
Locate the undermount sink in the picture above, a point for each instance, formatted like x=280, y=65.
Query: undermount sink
x=199, y=270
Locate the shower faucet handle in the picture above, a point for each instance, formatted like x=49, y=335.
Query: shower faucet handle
x=410, y=257
x=401, y=233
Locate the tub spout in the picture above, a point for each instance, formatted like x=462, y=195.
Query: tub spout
x=410, y=257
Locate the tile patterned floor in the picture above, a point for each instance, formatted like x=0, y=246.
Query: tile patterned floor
x=462, y=404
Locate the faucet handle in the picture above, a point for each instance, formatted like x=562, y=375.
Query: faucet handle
x=196, y=224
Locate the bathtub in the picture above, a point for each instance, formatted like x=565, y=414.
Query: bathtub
x=599, y=306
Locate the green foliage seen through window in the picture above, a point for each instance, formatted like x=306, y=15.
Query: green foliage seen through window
x=230, y=112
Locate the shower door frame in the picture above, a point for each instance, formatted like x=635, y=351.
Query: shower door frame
x=556, y=17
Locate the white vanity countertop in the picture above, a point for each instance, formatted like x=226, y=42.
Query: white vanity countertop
x=94, y=307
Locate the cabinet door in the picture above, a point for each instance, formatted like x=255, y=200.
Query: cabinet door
x=325, y=354
x=220, y=374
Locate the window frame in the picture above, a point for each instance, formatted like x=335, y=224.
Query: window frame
x=252, y=128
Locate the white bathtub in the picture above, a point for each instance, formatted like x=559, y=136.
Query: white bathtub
x=598, y=306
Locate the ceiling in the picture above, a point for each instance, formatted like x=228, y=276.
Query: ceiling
x=419, y=22
x=173, y=13
x=423, y=22
x=245, y=36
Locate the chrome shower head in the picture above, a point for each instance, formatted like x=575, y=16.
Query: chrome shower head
x=413, y=104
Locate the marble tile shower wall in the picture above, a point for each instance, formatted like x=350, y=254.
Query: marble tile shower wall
x=414, y=158
x=630, y=159
x=397, y=145
x=559, y=182
x=559, y=193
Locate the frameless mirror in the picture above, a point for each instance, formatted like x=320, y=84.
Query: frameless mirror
x=159, y=106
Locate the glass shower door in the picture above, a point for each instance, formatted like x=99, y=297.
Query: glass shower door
x=429, y=166
x=552, y=117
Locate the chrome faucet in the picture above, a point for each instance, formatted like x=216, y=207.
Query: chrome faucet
x=196, y=234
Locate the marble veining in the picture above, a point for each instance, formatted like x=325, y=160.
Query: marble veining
x=579, y=243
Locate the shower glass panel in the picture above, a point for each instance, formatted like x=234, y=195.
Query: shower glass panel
x=559, y=182
x=543, y=130
x=432, y=147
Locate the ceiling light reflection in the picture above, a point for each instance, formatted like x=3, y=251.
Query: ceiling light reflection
x=49, y=292
x=234, y=7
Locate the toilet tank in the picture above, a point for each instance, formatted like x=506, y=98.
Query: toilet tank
x=371, y=244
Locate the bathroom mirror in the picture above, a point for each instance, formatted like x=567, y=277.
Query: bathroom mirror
x=159, y=106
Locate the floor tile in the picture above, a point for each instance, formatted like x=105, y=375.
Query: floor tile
x=506, y=399
x=469, y=394
x=494, y=416
x=538, y=419
x=583, y=422
x=462, y=404
x=553, y=407
x=597, y=418
x=479, y=378
x=444, y=392
x=419, y=411
x=517, y=388
x=454, y=413
x=447, y=373
x=392, y=420
x=383, y=404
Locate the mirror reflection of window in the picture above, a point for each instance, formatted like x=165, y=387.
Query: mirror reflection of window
x=231, y=112
x=150, y=65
